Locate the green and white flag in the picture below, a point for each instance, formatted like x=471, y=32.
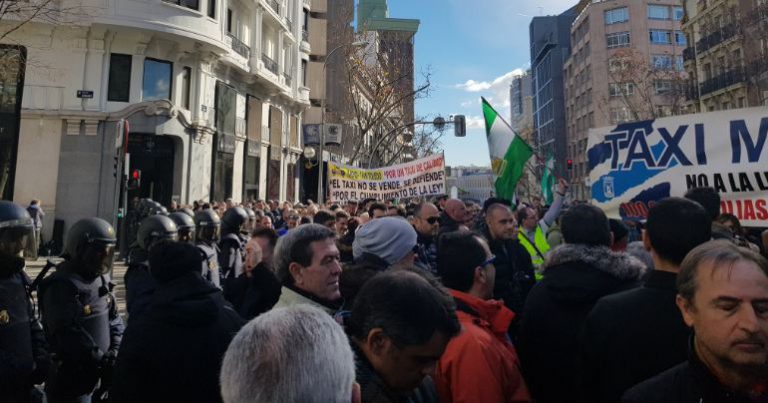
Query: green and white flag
x=509, y=152
x=548, y=180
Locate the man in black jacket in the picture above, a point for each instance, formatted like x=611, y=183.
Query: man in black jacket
x=173, y=351
x=723, y=296
x=634, y=335
x=576, y=275
x=514, y=270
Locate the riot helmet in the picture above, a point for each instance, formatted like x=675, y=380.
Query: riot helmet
x=144, y=207
x=186, y=226
x=187, y=211
x=233, y=220
x=157, y=209
x=208, y=224
x=91, y=244
x=249, y=224
x=16, y=228
x=156, y=228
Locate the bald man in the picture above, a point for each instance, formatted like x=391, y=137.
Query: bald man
x=426, y=222
x=454, y=216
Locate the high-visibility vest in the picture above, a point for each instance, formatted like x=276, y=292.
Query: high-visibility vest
x=537, y=252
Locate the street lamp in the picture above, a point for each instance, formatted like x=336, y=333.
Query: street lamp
x=320, y=193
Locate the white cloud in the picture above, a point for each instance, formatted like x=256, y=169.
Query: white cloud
x=470, y=103
x=475, y=122
x=496, y=91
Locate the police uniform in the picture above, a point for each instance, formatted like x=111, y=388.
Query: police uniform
x=210, y=267
x=231, y=256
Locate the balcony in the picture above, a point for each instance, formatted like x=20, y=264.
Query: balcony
x=722, y=81
x=692, y=91
x=275, y=5
x=717, y=37
x=689, y=54
x=240, y=47
x=288, y=79
x=304, y=34
x=270, y=64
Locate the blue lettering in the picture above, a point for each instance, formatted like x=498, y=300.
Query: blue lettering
x=701, y=154
x=673, y=146
x=613, y=140
x=740, y=133
x=641, y=155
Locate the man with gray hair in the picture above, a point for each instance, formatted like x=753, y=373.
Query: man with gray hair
x=288, y=355
x=307, y=263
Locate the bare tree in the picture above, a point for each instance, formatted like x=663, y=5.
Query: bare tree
x=648, y=89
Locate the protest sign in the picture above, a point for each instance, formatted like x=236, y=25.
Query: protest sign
x=635, y=164
x=422, y=177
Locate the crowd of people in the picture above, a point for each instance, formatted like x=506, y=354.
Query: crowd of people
x=385, y=301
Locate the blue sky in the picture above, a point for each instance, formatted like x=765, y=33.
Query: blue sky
x=473, y=48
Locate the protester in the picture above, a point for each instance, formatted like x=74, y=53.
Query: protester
x=619, y=235
x=633, y=335
x=385, y=242
x=344, y=236
x=292, y=220
x=426, y=222
x=576, y=275
x=732, y=223
x=532, y=234
x=377, y=210
x=480, y=364
x=399, y=327
x=454, y=216
x=710, y=200
x=173, y=351
x=307, y=264
x=351, y=207
x=258, y=290
x=326, y=218
x=722, y=294
x=637, y=249
x=290, y=355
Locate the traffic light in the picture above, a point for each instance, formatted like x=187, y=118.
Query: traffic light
x=569, y=164
x=116, y=170
x=459, y=126
x=134, y=181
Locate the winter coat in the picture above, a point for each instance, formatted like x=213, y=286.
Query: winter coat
x=173, y=351
x=448, y=224
x=426, y=252
x=374, y=390
x=575, y=277
x=252, y=296
x=290, y=296
x=631, y=336
x=689, y=382
x=514, y=272
x=480, y=364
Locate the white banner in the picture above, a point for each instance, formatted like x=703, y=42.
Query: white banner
x=635, y=164
x=422, y=177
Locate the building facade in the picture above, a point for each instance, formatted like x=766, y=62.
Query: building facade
x=521, y=113
x=203, y=98
x=727, y=56
x=550, y=47
x=471, y=183
x=626, y=65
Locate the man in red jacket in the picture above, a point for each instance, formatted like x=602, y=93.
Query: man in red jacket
x=480, y=364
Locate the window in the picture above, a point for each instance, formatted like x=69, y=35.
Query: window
x=677, y=13
x=226, y=104
x=661, y=37
x=657, y=12
x=621, y=89
x=186, y=81
x=680, y=38
x=229, y=20
x=119, y=89
x=157, y=80
x=618, y=40
x=617, y=15
x=620, y=115
x=193, y=4
x=663, y=86
x=303, y=73
x=661, y=62
x=212, y=8
x=617, y=64
x=679, y=63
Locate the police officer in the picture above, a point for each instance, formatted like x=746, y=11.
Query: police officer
x=208, y=225
x=186, y=225
x=139, y=284
x=80, y=314
x=24, y=357
x=232, y=244
x=249, y=224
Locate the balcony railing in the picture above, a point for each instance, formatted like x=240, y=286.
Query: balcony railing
x=723, y=80
x=270, y=64
x=689, y=54
x=692, y=91
x=717, y=37
x=275, y=5
x=287, y=79
x=240, y=47
x=304, y=35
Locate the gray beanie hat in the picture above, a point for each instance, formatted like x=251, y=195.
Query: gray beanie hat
x=390, y=238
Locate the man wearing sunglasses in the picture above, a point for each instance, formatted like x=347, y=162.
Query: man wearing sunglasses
x=480, y=364
x=426, y=222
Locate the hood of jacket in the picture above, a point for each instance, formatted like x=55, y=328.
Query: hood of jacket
x=493, y=312
x=188, y=300
x=578, y=272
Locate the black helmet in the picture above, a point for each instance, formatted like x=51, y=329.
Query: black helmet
x=155, y=228
x=144, y=207
x=187, y=211
x=182, y=220
x=250, y=212
x=157, y=209
x=207, y=218
x=91, y=241
x=15, y=228
x=234, y=218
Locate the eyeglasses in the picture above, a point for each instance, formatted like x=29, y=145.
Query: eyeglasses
x=432, y=220
x=488, y=262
